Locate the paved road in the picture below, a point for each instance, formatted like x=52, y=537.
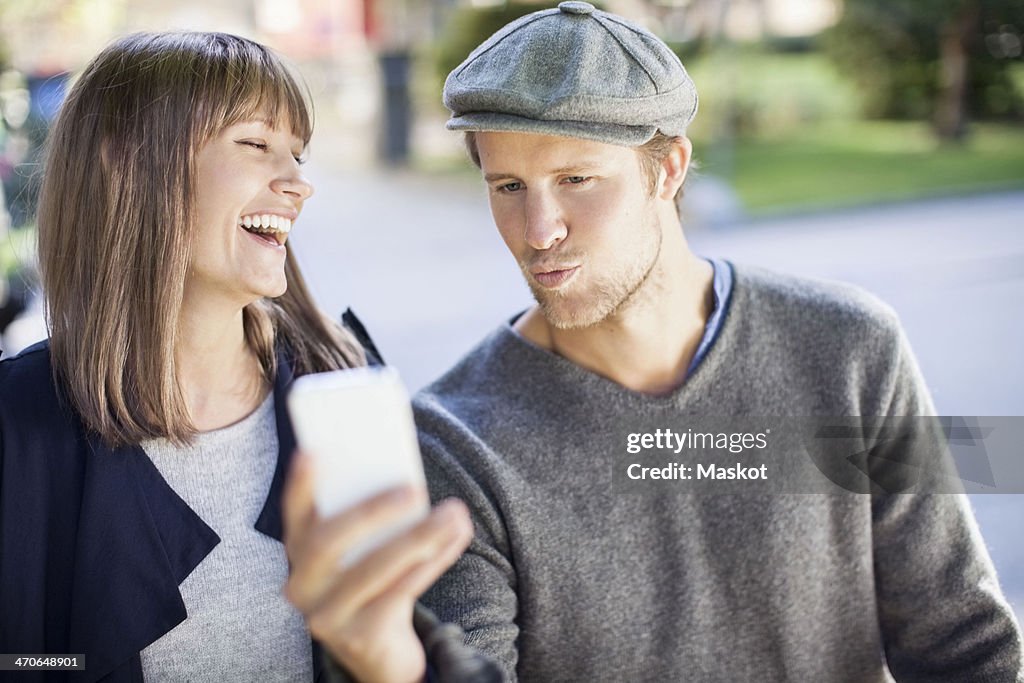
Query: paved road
x=419, y=260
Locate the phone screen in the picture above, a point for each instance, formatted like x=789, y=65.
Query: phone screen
x=358, y=427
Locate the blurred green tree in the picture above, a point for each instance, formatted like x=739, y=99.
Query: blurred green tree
x=938, y=60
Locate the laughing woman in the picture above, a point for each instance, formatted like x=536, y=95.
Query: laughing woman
x=145, y=444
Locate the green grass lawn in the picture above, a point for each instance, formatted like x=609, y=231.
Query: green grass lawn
x=862, y=162
x=799, y=141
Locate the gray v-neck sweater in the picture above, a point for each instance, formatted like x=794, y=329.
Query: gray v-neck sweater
x=567, y=580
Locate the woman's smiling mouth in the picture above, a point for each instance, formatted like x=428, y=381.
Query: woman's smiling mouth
x=268, y=228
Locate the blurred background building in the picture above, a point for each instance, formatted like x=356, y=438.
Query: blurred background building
x=875, y=141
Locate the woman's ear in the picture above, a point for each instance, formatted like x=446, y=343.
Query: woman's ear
x=674, y=167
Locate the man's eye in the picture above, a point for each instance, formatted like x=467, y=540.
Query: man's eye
x=577, y=180
x=510, y=187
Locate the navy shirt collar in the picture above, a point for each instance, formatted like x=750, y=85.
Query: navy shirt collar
x=722, y=289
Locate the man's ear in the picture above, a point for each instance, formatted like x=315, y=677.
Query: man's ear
x=674, y=167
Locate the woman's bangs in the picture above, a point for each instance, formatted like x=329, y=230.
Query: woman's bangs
x=271, y=97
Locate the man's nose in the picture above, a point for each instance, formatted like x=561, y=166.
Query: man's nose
x=545, y=224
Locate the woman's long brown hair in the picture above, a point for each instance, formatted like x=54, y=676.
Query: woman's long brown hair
x=116, y=216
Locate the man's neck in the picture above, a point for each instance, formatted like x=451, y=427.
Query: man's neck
x=648, y=347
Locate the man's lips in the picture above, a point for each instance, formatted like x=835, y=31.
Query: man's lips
x=553, y=277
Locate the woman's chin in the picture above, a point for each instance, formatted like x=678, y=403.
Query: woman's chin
x=267, y=289
x=273, y=292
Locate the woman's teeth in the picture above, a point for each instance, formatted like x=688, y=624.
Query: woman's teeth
x=266, y=222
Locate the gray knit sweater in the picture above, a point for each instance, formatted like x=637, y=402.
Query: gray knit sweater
x=568, y=580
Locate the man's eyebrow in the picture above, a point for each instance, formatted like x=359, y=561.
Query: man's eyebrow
x=582, y=167
x=576, y=168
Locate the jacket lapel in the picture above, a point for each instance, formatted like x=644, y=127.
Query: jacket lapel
x=138, y=541
x=270, y=521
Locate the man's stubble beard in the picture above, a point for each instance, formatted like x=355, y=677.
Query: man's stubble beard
x=607, y=297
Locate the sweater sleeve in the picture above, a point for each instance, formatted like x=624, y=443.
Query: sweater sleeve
x=479, y=592
x=449, y=660
x=941, y=612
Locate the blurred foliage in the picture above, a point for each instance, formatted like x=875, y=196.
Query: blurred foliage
x=752, y=93
x=469, y=26
x=17, y=251
x=893, y=51
x=781, y=118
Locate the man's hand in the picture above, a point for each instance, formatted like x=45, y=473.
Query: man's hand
x=362, y=612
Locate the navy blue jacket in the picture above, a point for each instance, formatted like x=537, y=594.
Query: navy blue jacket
x=93, y=541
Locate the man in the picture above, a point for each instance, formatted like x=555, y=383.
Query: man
x=577, y=119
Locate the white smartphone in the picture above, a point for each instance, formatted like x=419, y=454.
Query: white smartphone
x=358, y=427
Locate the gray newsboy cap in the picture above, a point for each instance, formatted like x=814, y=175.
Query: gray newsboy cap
x=573, y=71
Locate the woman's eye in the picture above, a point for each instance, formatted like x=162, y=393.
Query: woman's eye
x=576, y=179
x=262, y=146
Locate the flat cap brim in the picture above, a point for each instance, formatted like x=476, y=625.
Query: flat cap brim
x=609, y=133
